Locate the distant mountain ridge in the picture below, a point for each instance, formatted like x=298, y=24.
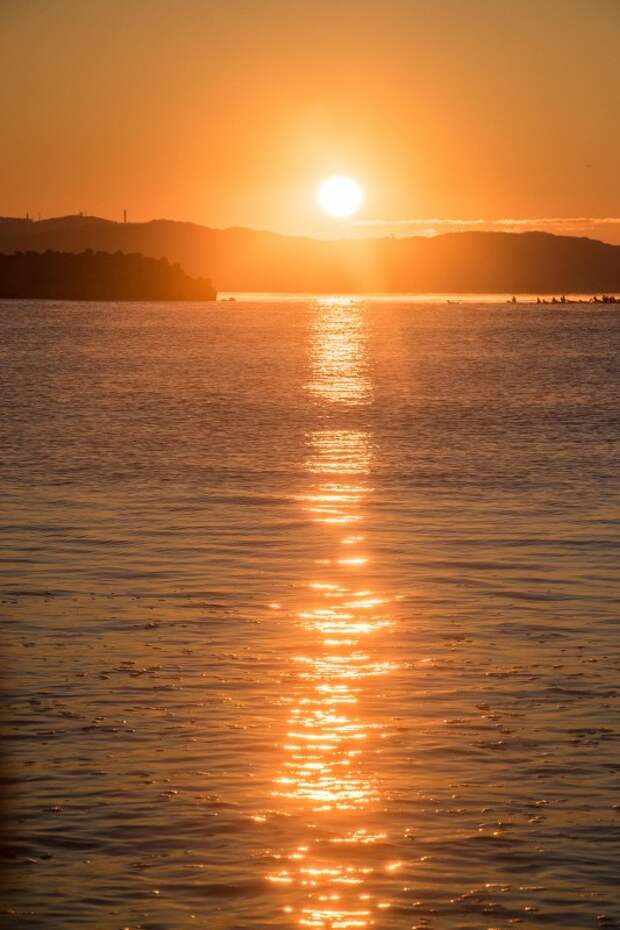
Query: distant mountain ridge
x=240, y=259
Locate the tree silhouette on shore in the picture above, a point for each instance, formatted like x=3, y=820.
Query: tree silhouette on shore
x=97, y=276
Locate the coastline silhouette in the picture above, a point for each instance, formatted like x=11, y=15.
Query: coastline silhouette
x=242, y=259
x=97, y=276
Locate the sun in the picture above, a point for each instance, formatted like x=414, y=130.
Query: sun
x=340, y=195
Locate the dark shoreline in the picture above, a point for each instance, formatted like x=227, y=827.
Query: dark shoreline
x=97, y=276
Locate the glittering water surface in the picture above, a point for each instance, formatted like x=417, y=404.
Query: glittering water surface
x=308, y=616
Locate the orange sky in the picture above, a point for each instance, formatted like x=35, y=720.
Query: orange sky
x=229, y=112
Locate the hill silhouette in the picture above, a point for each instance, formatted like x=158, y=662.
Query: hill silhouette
x=251, y=260
x=97, y=276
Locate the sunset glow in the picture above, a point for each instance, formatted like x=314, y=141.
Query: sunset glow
x=310, y=317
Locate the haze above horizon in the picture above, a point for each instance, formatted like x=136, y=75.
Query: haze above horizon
x=451, y=116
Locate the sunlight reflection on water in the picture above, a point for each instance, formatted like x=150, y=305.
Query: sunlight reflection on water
x=331, y=754
x=339, y=353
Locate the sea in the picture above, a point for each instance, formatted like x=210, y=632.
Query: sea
x=309, y=614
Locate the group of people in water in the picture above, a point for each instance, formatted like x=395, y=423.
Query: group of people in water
x=603, y=299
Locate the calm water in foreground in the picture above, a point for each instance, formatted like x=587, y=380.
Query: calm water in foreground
x=308, y=616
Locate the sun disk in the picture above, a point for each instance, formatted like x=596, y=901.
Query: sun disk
x=340, y=196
